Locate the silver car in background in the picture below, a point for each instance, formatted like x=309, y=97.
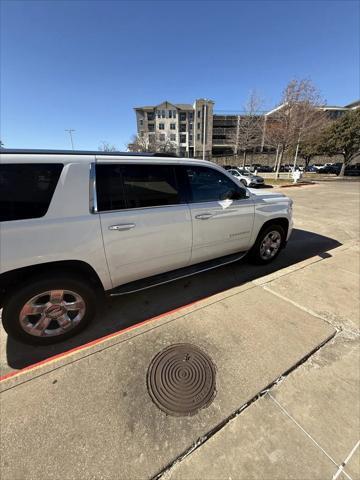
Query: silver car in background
x=246, y=177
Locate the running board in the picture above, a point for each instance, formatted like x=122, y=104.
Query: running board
x=168, y=277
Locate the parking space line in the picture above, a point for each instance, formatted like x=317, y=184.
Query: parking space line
x=345, y=462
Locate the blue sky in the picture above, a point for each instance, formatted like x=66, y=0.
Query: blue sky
x=86, y=64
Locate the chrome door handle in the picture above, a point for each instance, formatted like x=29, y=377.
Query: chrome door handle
x=122, y=226
x=204, y=216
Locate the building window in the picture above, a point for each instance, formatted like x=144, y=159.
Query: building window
x=170, y=113
x=174, y=113
x=198, y=114
x=183, y=128
x=163, y=113
x=173, y=137
x=191, y=115
x=190, y=137
x=198, y=136
x=141, y=123
x=150, y=115
x=162, y=137
x=158, y=113
x=172, y=126
x=198, y=125
x=182, y=138
x=161, y=126
x=182, y=117
x=190, y=126
x=151, y=127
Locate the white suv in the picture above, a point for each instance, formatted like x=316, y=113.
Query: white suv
x=77, y=224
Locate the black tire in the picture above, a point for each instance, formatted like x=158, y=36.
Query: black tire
x=18, y=297
x=255, y=255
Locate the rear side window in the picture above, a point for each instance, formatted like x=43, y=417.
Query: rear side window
x=135, y=186
x=26, y=190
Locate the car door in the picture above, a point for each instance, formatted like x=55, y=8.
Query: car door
x=145, y=223
x=222, y=213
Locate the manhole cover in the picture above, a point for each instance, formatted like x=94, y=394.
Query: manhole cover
x=181, y=379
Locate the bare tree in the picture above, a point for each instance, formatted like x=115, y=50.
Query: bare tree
x=142, y=143
x=166, y=146
x=107, y=147
x=298, y=116
x=249, y=127
x=151, y=143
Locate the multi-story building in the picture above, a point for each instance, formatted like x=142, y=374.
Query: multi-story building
x=194, y=130
x=185, y=127
x=226, y=127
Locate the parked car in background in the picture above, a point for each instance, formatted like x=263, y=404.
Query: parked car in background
x=247, y=178
x=311, y=169
x=264, y=169
x=78, y=225
x=285, y=168
x=333, y=168
x=316, y=166
x=352, y=170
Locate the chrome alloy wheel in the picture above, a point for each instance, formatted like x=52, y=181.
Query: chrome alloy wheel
x=270, y=245
x=52, y=313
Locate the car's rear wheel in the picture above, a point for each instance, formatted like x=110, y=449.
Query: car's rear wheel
x=268, y=244
x=48, y=310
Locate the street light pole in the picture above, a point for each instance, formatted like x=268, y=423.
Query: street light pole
x=70, y=130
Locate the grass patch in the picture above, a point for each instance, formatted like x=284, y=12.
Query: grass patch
x=278, y=181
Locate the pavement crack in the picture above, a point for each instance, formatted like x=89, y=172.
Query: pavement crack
x=163, y=474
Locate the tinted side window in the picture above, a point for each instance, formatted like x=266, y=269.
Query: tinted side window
x=135, y=186
x=109, y=188
x=207, y=184
x=26, y=190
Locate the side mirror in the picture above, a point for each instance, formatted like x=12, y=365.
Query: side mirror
x=236, y=194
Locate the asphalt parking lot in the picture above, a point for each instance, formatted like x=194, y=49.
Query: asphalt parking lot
x=284, y=340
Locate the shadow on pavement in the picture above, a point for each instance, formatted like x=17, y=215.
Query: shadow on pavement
x=122, y=312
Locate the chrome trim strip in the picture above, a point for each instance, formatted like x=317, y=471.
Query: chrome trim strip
x=164, y=206
x=144, y=208
x=179, y=278
x=92, y=190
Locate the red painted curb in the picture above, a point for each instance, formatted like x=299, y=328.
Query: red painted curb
x=95, y=342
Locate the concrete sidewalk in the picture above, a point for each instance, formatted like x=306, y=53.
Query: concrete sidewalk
x=89, y=415
x=307, y=426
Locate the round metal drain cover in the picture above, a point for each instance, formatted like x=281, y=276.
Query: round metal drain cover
x=181, y=379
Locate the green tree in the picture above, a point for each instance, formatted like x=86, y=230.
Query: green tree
x=312, y=145
x=343, y=138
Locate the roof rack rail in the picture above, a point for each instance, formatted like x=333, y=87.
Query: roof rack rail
x=84, y=152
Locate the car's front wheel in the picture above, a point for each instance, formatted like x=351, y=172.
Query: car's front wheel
x=268, y=244
x=49, y=310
